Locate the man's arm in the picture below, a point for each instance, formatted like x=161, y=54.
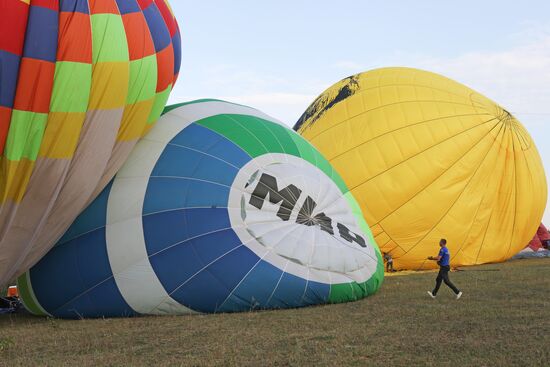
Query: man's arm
x=435, y=258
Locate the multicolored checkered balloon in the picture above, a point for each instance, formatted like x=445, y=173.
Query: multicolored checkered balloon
x=80, y=82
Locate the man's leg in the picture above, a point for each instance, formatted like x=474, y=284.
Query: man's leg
x=438, y=281
x=449, y=283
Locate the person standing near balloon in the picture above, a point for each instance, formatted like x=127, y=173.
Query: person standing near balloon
x=443, y=260
x=389, y=262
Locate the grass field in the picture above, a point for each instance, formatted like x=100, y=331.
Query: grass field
x=503, y=319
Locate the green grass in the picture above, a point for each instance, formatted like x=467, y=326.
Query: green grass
x=503, y=319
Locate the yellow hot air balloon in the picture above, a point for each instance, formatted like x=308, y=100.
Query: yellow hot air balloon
x=429, y=158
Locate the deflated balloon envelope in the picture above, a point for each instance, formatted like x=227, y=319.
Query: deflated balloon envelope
x=81, y=82
x=426, y=158
x=219, y=208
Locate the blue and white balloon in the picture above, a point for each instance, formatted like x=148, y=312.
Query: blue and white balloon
x=220, y=208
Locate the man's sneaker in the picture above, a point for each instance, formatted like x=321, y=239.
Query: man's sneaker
x=432, y=295
x=459, y=295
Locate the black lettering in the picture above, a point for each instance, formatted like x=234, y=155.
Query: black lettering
x=268, y=186
x=305, y=217
x=349, y=236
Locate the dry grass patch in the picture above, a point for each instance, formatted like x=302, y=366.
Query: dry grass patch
x=502, y=319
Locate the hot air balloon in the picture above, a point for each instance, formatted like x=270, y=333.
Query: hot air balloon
x=80, y=82
x=429, y=158
x=220, y=208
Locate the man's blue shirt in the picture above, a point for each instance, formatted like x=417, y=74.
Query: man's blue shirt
x=445, y=257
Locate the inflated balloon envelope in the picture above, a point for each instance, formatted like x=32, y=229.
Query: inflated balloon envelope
x=426, y=158
x=81, y=82
x=220, y=208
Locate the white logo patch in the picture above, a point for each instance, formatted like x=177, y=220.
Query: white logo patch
x=292, y=215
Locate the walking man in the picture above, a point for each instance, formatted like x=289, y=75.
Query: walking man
x=443, y=260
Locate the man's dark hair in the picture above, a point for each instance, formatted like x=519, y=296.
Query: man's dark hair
x=443, y=241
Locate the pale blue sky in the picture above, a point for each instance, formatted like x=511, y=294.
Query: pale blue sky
x=279, y=55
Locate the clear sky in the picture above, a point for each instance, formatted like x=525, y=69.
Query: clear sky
x=278, y=56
